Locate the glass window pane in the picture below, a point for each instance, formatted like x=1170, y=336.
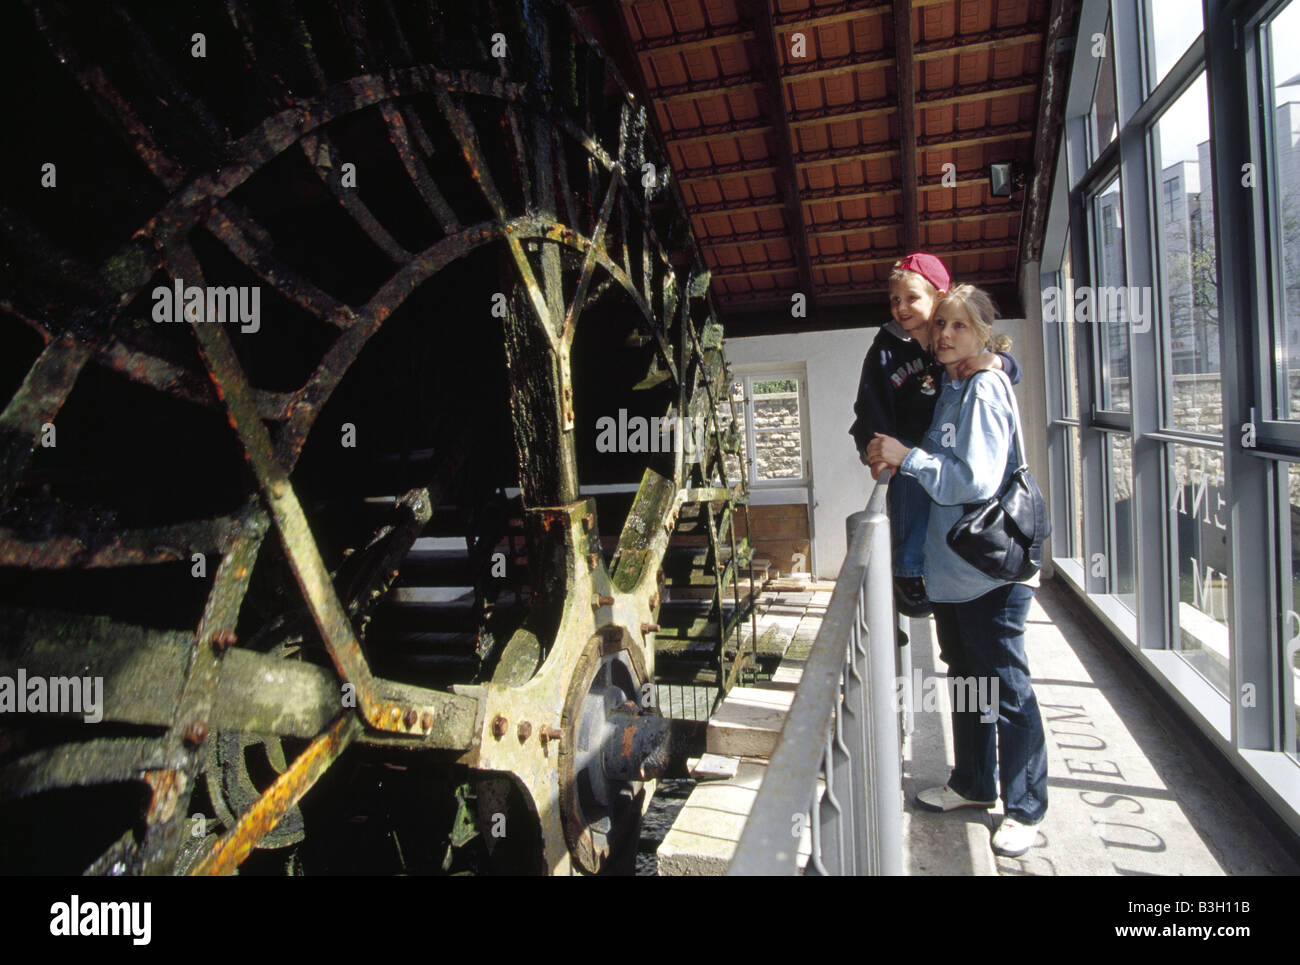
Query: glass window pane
x=1173, y=25
x=1109, y=308
x=1105, y=116
x=1075, y=495
x=778, y=446
x=1189, y=292
x=1199, y=519
x=1291, y=604
x=1121, y=520
x=1284, y=101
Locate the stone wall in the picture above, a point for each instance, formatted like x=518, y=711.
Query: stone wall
x=1197, y=406
x=779, y=454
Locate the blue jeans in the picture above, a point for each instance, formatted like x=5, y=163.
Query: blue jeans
x=909, y=512
x=985, y=638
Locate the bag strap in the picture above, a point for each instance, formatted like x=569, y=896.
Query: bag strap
x=1015, y=415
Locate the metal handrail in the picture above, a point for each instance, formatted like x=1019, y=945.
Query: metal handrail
x=836, y=769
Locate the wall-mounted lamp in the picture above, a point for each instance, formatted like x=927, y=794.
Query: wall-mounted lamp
x=1006, y=178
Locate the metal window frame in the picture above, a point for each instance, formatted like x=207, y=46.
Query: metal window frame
x=1228, y=50
x=1232, y=60
x=1273, y=433
x=1095, y=186
x=1060, y=454
x=1177, y=82
x=1149, y=50
x=1286, y=603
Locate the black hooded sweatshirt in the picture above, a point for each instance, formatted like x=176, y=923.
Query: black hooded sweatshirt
x=899, y=387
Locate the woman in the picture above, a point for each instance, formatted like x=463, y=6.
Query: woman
x=967, y=456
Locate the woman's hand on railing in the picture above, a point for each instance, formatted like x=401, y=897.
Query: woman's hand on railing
x=885, y=452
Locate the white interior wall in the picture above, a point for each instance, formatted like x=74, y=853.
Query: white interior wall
x=840, y=484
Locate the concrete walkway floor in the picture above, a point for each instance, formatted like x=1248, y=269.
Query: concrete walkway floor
x=1129, y=791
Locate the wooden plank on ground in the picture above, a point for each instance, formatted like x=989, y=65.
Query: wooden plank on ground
x=748, y=722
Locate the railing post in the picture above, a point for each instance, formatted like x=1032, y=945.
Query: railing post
x=883, y=747
x=855, y=710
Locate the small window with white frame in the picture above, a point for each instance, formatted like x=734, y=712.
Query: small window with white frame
x=773, y=425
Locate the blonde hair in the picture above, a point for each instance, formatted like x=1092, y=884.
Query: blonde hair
x=904, y=275
x=982, y=312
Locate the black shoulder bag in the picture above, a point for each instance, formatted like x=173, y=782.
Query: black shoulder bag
x=1003, y=536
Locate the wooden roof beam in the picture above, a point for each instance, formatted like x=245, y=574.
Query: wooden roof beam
x=748, y=206
x=831, y=293
x=769, y=267
x=853, y=291
x=843, y=66
x=844, y=112
x=838, y=155
x=906, y=74
x=865, y=192
x=837, y=66
x=973, y=43
x=844, y=12
x=933, y=142
x=700, y=89
x=856, y=110
x=769, y=61
x=832, y=13
x=694, y=40
x=716, y=132
x=970, y=93
x=841, y=227
x=824, y=195
x=858, y=226
x=709, y=175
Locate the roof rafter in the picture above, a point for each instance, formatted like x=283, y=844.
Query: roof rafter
x=787, y=176
x=978, y=246
x=841, y=193
x=906, y=73
x=855, y=226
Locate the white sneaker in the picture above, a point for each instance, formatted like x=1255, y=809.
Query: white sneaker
x=946, y=799
x=1013, y=838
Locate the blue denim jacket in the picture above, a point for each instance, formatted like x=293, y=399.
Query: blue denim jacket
x=979, y=459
